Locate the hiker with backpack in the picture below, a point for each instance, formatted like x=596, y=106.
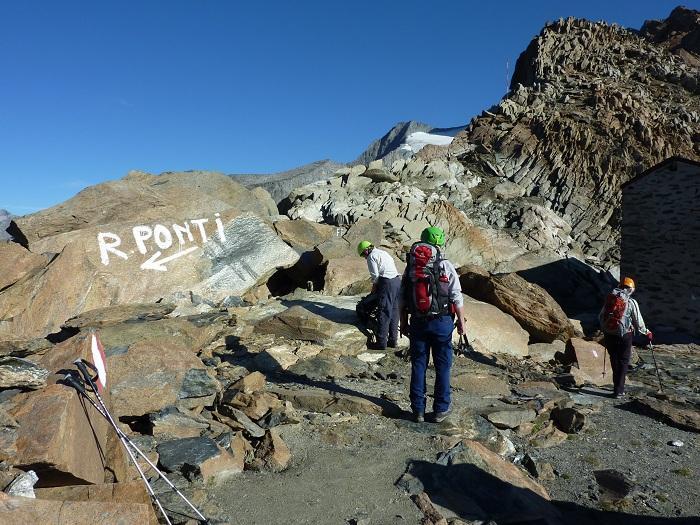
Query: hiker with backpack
x=431, y=295
x=619, y=318
x=386, y=284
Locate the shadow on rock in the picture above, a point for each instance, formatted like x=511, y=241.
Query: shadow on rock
x=562, y=277
x=325, y=310
x=470, y=493
x=383, y=406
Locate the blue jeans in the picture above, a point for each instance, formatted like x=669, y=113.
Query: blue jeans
x=427, y=334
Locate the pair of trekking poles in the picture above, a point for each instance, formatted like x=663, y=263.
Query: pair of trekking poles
x=85, y=384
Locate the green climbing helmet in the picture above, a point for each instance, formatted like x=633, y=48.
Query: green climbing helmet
x=362, y=247
x=433, y=235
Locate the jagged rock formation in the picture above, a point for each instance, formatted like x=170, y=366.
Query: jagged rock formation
x=280, y=184
x=679, y=33
x=395, y=144
x=391, y=141
x=590, y=106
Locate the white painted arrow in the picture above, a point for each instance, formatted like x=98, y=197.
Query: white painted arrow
x=153, y=263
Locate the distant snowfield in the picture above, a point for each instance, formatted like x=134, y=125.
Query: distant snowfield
x=418, y=140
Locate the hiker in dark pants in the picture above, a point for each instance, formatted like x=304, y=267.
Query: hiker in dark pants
x=386, y=284
x=431, y=294
x=619, y=319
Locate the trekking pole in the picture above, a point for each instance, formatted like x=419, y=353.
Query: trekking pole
x=74, y=383
x=658, y=376
x=82, y=367
x=605, y=358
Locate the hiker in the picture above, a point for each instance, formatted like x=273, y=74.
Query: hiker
x=386, y=284
x=431, y=295
x=619, y=318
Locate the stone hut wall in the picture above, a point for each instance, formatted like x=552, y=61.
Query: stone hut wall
x=660, y=244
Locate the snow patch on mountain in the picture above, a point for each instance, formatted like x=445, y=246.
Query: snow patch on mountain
x=419, y=139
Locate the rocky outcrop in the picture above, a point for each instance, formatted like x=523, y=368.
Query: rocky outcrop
x=492, y=331
x=145, y=199
x=590, y=359
x=679, y=33
x=534, y=309
x=228, y=257
x=590, y=106
x=426, y=194
x=391, y=141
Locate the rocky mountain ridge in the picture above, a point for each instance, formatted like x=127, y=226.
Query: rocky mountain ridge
x=280, y=184
x=591, y=105
x=235, y=359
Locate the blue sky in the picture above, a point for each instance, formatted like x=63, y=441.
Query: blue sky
x=90, y=90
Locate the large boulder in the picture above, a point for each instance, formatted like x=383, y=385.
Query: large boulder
x=58, y=436
x=476, y=483
x=227, y=257
x=591, y=359
x=347, y=275
x=16, y=262
x=56, y=433
x=326, y=320
x=303, y=235
x=52, y=512
x=492, y=331
x=148, y=376
x=199, y=457
x=143, y=198
x=534, y=309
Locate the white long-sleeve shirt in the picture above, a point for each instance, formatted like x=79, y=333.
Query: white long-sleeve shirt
x=636, y=315
x=381, y=264
x=455, y=286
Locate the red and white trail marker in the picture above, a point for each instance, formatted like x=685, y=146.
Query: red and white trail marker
x=100, y=362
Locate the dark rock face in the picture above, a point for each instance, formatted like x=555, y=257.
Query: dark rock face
x=591, y=105
x=173, y=455
x=16, y=372
x=680, y=33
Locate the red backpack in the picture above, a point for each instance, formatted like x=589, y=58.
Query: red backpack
x=427, y=289
x=614, y=319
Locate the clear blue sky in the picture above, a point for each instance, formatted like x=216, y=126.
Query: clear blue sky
x=92, y=89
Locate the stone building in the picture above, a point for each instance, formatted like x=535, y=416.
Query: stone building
x=660, y=247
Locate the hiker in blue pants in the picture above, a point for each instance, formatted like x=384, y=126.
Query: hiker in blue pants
x=431, y=295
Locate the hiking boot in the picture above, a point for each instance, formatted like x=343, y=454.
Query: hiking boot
x=376, y=346
x=392, y=344
x=620, y=396
x=439, y=417
x=418, y=417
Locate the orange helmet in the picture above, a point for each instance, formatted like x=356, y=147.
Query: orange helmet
x=627, y=281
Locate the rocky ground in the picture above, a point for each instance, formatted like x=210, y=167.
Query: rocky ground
x=346, y=465
x=277, y=413
x=236, y=363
